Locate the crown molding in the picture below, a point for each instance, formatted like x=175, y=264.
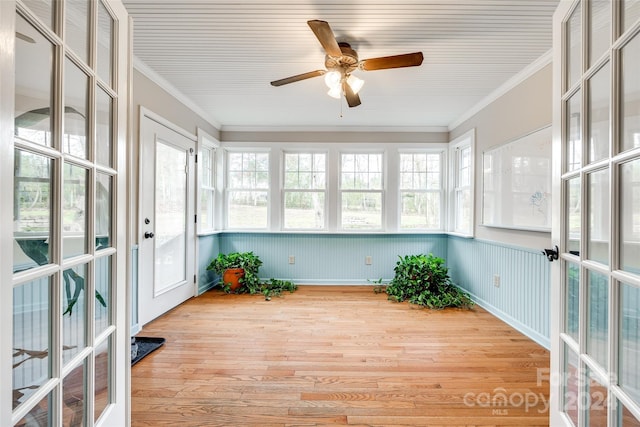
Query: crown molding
x=401, y=129
x=514, y=81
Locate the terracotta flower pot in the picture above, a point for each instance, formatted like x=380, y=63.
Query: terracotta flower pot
x=231, y=277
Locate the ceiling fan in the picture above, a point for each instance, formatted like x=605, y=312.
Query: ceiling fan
x=341, y=60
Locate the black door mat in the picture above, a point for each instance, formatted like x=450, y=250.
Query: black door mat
x=142, y=346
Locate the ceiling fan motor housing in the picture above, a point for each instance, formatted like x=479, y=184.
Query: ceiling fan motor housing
x=345, y=63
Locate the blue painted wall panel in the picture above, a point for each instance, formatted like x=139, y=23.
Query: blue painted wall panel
x=208, y=247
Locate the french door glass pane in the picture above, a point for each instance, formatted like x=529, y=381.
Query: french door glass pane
x=304, y=210
x=102, y=377
x=599, y=28
x=630, y=216
x=33, y=85
x=574, y=46
x=170, y=214
x=43, y=9
x=77, y=27
x=74, y=311
x=105, y=45
x=76, y=97
x=598, y=318
x=574, y=133
x=598, y=401
x=629, y=341
x=573, y=216
x=74, y=208
x=599, y=107
x=421, y=210
x=104, y=117
x=104, y=214
x=361, y=211
x=571, y=385
x=630, y=94
x=74, y=397
x=31, y=338
x=572, y=301
x=40, y=415
x=627, y=419
x=32, y=210
x=630, y=13
x=598, y=185
x=102, y=313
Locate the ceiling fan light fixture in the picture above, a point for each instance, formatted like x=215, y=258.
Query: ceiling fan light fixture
x=333, y=79
x=335, y=92
x=355, y=83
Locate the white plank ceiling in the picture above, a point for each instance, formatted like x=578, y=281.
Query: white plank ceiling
x=221, y=55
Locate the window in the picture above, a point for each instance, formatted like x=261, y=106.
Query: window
x=420, y=190
x=304, y=190
x=361, y=191
x=247, y=189
x=461, y=204
x=207, y=182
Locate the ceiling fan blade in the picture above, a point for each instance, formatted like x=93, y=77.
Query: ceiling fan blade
x=352, y=98
x=297, y=78
x=325, y=36
x=395, y=61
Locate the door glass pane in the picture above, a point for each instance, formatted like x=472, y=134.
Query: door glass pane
x=627, y=419
x=104, y=117
x=599, y=29
x=104, y=214
x=629, y=342
x=105, y=44
x=574, y=133
x=630, y=216
x=598, y=318
x=77, y=27
x=574, y=46
x=103, y=294
x=570, y=385
x=76, y=90
x=43, y=9
x=598, y=184
x=74, y=398
x=573, y=215
x=572, y=300
x=103, y=377
x=40, y=415
x=32, y=210
x=170, y=214
x=599, y=106
x=630, y=94
x=630, y=13
x=33, y=84
x=74, y=207
x=31, y=338
x=74, y=309
x=598, y=401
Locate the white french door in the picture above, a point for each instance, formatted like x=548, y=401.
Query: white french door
x=64, y=113
x=167, y=217
x=596, y=283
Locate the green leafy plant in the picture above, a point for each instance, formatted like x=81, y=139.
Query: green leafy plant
x=248, y=261
x=424, y=280
x=275, y=287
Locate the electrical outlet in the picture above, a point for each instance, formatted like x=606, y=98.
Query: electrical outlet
x=496, y=280
x=292, y=259
x=368, y=260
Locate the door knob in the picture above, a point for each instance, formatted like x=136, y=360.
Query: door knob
x=148, y=234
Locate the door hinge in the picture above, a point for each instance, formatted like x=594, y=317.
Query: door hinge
x=196, y=160
x=194, y=278
x=195, y=218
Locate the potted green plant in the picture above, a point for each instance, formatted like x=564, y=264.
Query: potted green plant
x=238, y=271
x=424, y=280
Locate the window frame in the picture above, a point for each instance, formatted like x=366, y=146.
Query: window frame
x=456, y=146
x=206, y=143
x=284, y=190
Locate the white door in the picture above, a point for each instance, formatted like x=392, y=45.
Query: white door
x=167, y=218
x=596, y=283
x=64, y=253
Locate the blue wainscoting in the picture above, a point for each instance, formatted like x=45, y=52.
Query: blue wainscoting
x=208, y=247
x=522, y=299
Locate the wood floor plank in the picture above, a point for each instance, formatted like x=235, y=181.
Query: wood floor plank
x=336, y=355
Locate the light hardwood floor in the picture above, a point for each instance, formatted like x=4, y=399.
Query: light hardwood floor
x=336, y=355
